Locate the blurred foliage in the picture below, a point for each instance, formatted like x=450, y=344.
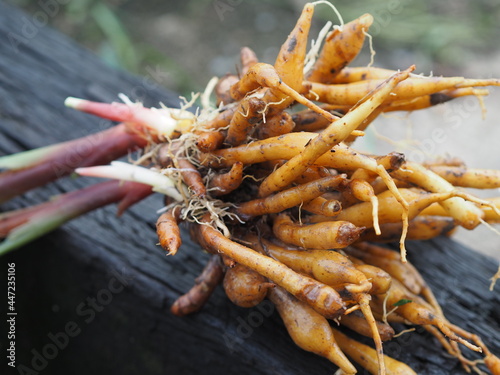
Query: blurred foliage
x=95, y=24
x=122, y=32
x=441, y=30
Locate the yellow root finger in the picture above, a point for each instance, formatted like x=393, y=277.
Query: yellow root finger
x=321, y=297
x=308, y=329
x=334, y=134
x=325, y=235
x=367, y=357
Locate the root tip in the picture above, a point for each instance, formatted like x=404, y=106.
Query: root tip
x=73, y=102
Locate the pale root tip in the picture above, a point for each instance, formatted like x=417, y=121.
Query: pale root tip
x=74, y=103
x=102, y=171
x=366, y=20
x=86, y=171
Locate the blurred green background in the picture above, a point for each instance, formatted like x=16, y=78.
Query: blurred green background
x=181, y=45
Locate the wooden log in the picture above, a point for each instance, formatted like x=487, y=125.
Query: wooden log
x=94, y=296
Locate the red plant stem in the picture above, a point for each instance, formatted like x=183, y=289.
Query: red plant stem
x=12, y=219
x=95, y=149
x=79, y=202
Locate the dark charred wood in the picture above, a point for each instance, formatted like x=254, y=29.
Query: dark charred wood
x=94, y=295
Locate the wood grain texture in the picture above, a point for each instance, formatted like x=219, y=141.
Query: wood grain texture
x=106, y=278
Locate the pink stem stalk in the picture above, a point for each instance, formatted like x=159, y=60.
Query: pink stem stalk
x=79, y=202
x=99, y=148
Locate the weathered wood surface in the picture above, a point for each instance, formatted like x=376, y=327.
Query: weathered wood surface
x=128, y=329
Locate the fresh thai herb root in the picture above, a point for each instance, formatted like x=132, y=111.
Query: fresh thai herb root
x=272, y=190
